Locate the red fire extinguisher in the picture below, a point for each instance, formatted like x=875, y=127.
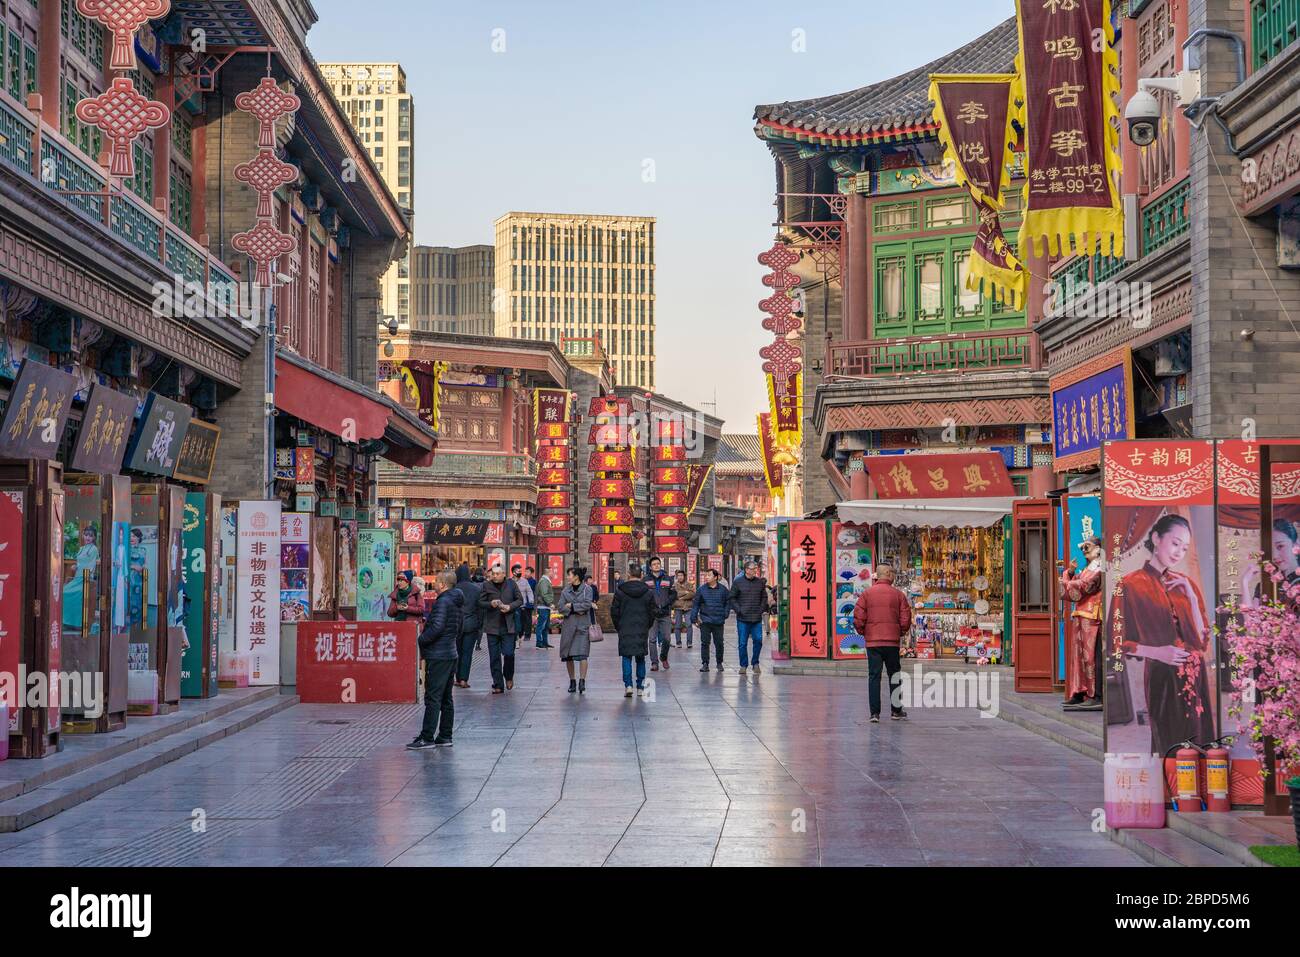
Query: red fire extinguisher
x=1217, y=777
x=1187, y=777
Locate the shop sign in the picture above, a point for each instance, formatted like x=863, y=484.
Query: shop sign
x=553, y=499
x=105, y=428
x=456, y=531
x=553, y=476
x=295, y=565
x=550, y=545
x=808, y=564
x=610, y=543
x=198, y=452
x=549, y=406
x=557, y=522
x=611, y=515
x=374, y=565
x=555, y=431
x=495, y=534
x=12, y=555
x=611, y=488
x=672, y=475
x=1091, y=405
x=257, y=613
x=670, y=521
x=553, y=454
x=37, y=412
x=610, y=461
x=946, y=475
x=669, y=498
x=609, y=405
x=357, y=662
x=670, y=543
x=413, y=533
x=158, y=437
x=669, y=453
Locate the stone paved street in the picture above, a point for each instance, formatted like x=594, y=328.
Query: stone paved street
x=717, y=769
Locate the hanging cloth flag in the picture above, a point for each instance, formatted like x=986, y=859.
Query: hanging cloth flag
x=786, y=409
x=1068, y=81
x=974, y=113
x=771, y=470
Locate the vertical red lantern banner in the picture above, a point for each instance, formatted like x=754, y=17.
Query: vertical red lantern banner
x=771, y=469
x=612, y=489
x=782, y=356
x=1068, y=79
x=263, y=243
x=556, y=521
x=809, y=566
x=974, y=113
x=669, y=513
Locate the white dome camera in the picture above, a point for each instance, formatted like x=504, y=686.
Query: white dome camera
x=1143, y=117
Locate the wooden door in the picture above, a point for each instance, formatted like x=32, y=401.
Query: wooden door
x=1032, y=594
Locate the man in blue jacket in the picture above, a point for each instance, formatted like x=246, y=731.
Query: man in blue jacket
x=709, y=610
x=661, y=630
x=438, y=647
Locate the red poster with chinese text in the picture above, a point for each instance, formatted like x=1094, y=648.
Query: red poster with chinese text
x=944, y=475
x=361, y=662
x=809, y=590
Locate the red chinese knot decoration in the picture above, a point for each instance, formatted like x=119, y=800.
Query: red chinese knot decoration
x=265, y=174
x=123, y=18
x=263, y=244
x=783, y=357
x=267, y=103
x=122, y=114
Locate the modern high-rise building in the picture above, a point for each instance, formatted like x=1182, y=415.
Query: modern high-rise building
x=374, y=98
x=451, y=289
x=566, y=275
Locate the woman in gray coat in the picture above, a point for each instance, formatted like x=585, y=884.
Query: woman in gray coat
x=575, y=637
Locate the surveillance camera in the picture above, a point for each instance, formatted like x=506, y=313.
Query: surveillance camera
x=1143, y=117
x=392, y=327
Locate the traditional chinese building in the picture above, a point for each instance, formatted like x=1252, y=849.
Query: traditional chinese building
x=899, y=357
x=144, y=188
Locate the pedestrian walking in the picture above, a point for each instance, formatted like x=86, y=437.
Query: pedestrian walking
x=438, y=640
x=405, y=600
x=595, y=596
x=661, y=631
x=882, y=616
x=575, y=633
x=709, y=609
x=633, y=611
x=682, y=611
x=498, y=601
x=749, y=601
x=471, y=629
x=543, y=600
x=524, y=613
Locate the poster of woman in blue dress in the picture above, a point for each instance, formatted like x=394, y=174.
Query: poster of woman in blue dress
x=82, y=544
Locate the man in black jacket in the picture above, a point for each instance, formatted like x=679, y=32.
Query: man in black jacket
x=438, y=640
x=633, y=611
x=471, y=631
x=665, y=595
x=750, y=602
x=498, y=600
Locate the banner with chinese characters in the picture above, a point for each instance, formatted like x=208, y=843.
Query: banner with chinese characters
x=1091, y=404
x=552, y=498
x=448, y=531
x=550, y=406
x=941, y=475
x=422, y=379
x=257, y=577
x=37, y=411
x=665, y=454
x=1068, y=79
x=553, y=476
x=553, y=454
x=771, y=470
x=809, y=592
x=105, y=427
x=611, y=515
x=295, y=566
x=351, y=662
x=198, y=453
x=1158, y=529
x=786, y=410
x=610, y=543
x=551, y=522
x=610, y=462
x=614, y=463
x=611, y=489
x=975, y=114
x=158, y=436
x=697, y=476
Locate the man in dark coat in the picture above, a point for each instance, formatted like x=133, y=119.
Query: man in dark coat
x=438, y=641
x=709, y=609
x=749, y=600
x=498, y=601
x=471, y=630
x=633, y=611
x=883, y=616
x=665, y=595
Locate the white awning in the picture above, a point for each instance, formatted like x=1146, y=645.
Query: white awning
x=927, y=512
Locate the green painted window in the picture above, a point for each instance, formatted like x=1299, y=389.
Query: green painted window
x=181, y=199
x=896, y=218
x=947, y=211
x=921, y=290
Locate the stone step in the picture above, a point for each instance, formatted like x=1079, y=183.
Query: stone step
x=1225, y=833
x=83, y=751
x=108, y=771
x=1085, y=741
x=1167, y=847
x=1049, y=705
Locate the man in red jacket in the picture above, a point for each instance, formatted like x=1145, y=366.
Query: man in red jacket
x=882, y=616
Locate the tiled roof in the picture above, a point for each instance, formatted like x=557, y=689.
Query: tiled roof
x=738, y=447
x=896, y=104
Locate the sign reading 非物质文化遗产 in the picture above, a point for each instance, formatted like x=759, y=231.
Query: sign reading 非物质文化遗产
x=257, y=615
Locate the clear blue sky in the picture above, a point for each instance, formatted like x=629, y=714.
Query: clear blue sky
x=585, y=92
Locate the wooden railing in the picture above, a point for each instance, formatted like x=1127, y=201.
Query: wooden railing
x=961, y=352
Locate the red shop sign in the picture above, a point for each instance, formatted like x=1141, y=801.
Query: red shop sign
x=611, y=461
x=611, y=515
x=1167, y=470
x=670, y=544
x=557, y=522
x=550, y=499
x=669, y=498
x=955, y=475
x=610, y=544
x=809, y=619
x=670, y=521
x=357, y=662
x=413, y=533
x=672, y=475
x=553, y=454
x=553, y=476
x=670, y=453
x=1239, y=474
x=611, y=488
x=554, y=546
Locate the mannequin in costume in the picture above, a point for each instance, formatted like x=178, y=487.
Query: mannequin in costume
x=1084, y=588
